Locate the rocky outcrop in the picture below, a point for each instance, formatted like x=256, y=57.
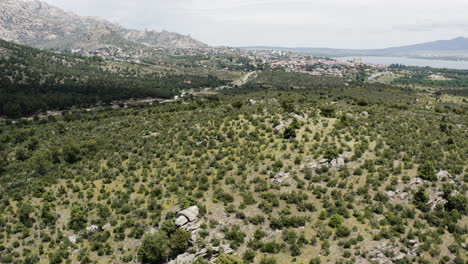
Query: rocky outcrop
x=416, y=182
x=280, y=126
x=73, y=239
x=332, y=165
x=387, y=254
x=186, y=216
x=92, y=228
x=444, y=176
x=185, y=258
x=281, y=177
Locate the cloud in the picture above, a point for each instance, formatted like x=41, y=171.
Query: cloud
x=332, y=23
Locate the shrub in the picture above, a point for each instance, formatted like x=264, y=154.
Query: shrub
x=335, y=221
x=154, y=248
x=228, y=259
x=427, y=171
x=343, y=231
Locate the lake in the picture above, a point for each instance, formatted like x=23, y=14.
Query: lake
x=461, y=65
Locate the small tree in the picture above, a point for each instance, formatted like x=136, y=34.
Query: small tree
x=24, y=211
x=154, y=248
x=179, y=241
x=78, y=218
x=330, y=153
x=427, y=171
x=420, y=199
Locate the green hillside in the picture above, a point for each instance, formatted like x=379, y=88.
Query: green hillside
x=33, y=80
x=290, y=168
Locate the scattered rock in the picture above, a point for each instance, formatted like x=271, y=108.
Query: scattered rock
x=106, y=226
x=416, y=182
x=333, y=165
x=444, y=175
x=280, y=127
x=153, y=134
x=252, y=102
x=280, y=178
x=73, y=239
x=92, y=228
x=337, y=163
x=297, y=116
x=438, y=199
x=388, y=254
x=365, y=114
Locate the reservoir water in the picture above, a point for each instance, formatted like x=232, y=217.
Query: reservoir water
x=450, y=64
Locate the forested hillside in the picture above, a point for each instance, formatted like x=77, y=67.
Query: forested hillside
x=290, y=168
x=33, y=80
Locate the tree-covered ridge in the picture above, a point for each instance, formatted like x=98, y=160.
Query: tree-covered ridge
x=33, y=80
x=431, y=77
x=258, y=165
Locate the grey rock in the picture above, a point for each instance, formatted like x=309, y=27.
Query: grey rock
x=92, y=228
x=280, y=127
x=294, y=115
x=106, y=226
x=181, y=220
x=185, y=258
x=73, y=239
x=280, y=178
x=190, y=213
x=444, y=175
x=415, y=182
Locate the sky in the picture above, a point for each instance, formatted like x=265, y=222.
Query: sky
x=357, y=24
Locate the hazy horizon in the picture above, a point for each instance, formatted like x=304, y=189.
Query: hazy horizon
x=352, y=24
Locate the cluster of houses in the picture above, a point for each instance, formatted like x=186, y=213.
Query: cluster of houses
x=252, y=59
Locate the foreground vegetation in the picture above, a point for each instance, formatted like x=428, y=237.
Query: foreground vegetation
x=105, y=186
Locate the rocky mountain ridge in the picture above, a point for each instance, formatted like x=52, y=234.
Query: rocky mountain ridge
x=38, y=24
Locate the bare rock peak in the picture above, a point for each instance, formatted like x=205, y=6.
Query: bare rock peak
x=38, y=24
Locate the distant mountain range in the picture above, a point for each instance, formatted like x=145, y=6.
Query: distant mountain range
x=38, y=24
x=456, y=48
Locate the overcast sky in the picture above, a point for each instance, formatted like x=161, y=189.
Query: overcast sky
x=292, y=23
